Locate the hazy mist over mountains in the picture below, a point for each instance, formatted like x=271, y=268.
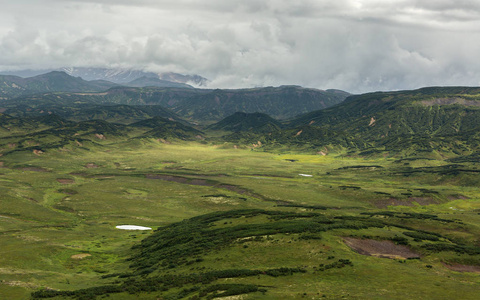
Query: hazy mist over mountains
x=358, y=46
x=116, y=75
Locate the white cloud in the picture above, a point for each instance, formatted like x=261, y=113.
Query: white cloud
x=356, y=45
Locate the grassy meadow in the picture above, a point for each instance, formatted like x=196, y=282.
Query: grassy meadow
x=59, y=210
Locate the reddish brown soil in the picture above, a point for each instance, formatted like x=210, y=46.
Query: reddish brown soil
x=462, y=268
x=91, y=166
x=384, y=203
x=167, y=178
x=80, y=256
x=457, y=197
x=424, y=200
x=384, y=249
x=65, y=180
x=37, y=152
x=79, y=174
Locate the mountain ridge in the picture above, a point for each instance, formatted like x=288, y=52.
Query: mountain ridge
x=197, y=105
x=116, y=75
x=55, y=81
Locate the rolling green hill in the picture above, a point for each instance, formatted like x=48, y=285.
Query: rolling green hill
x=254, y=122
x=194, y=105
x=82, y=108
x=51, y=132
x=279, y=102
x=421, y=121
x=167, y=129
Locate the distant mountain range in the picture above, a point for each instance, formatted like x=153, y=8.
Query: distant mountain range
x=13, y=86
x=434, y=121
x=56, y=91
x=116, y=75
x=428, y=120
x=156, y=82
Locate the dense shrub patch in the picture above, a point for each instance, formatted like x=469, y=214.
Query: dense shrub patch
x=172, y=245
x=164, y=283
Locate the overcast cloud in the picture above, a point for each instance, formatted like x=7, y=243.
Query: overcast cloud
x=354, y=45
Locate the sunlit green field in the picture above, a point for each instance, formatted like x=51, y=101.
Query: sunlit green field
x=62, y=203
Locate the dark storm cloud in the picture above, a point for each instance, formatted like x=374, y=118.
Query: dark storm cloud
x=353, y=45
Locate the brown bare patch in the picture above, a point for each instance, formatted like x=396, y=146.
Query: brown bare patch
x=83, y=174
x=258, y=144
x=100, y=136
x=80, y=256
x=164, y=141
x=299, y=133
x=424, y=200
x=383, y=249
x=372, y=121
x=452, y=197
x=37, y=152
x=202, y=182
x=65, y=180
x=384, y=203
x=1, y=163
x=323, y=152
x=462, y=268
x=167, y=178
x=91, y=166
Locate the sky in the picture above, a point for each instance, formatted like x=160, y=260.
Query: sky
x=354, y=45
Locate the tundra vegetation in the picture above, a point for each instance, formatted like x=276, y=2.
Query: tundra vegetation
x=378, y=218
